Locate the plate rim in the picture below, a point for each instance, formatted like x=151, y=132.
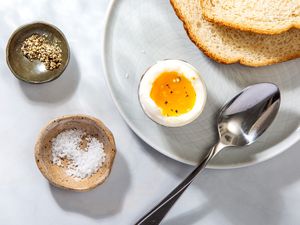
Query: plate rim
x=269, y=153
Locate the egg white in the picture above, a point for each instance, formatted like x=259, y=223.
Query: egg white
x=150, y=107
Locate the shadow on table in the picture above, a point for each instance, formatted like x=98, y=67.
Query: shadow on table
x=245, y=196
x=58, y=90
x=191, y=217
x=103, y=201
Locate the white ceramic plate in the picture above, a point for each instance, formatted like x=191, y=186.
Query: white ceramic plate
x=138, y=34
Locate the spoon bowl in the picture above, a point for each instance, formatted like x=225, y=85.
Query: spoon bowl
x=246, y=117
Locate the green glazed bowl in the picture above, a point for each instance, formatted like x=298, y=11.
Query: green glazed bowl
x=35, y=72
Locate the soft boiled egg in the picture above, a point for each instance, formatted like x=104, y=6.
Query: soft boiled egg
x=172, y=93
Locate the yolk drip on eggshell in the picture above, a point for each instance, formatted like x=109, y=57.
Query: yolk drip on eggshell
x=173, y=93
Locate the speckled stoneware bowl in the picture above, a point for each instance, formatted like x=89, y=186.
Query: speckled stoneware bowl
x=57, y=175
x=35, y=71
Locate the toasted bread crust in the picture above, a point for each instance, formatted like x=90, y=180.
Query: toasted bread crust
x=242, y=60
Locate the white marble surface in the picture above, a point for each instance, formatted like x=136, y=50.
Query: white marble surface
x=268, y=193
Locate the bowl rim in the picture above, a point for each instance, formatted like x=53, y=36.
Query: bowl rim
x=98, y=123
x=8, y=46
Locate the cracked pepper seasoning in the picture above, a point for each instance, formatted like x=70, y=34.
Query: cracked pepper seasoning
x=37, y=47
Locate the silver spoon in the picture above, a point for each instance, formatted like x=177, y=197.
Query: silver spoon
x=241, y=121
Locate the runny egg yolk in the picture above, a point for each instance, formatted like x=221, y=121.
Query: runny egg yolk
x=173, y=93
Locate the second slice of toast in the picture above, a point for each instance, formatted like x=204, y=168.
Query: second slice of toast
x=259, y=16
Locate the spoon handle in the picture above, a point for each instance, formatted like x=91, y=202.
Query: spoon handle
x=156, y=215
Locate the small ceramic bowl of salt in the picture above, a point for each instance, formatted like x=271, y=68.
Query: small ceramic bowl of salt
x=75, y=152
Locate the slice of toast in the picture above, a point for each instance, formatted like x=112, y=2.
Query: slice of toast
x=259, y=16
x=227, y=45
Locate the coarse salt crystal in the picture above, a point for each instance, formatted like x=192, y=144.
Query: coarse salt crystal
x=81, y=162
